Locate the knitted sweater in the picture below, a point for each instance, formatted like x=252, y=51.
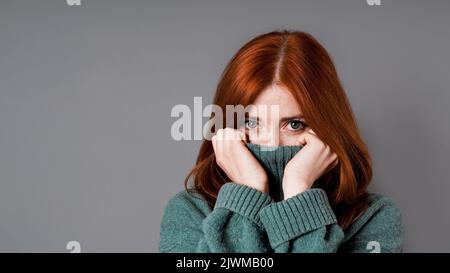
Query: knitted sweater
x=244, y=219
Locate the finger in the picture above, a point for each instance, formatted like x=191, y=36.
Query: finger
x=235, y=135
x=219, y=141
x=244, y=136
x=231, y=136
x=305, y=138
x=332, y=165
x=335, y=162
x=314, y=138
x=213, y=142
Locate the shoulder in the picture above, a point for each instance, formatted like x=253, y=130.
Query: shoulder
x=382, y=222
x=186, y=202
x=181, y=224
x=381, y=212
x=382, y=205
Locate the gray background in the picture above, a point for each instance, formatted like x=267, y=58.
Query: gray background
x=86, y=94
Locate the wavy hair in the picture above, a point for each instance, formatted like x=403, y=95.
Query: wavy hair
x=298, y=62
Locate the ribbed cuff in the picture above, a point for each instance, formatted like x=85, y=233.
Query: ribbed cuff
x=297, y=215
x=243, y=200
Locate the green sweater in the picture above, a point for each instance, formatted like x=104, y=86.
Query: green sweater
x=244, y=219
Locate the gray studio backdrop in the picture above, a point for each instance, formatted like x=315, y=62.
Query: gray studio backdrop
x=86, y=93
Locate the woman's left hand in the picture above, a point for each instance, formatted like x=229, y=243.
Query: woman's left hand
x=310, y=163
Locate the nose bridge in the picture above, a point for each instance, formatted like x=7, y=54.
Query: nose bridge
x=270, y=135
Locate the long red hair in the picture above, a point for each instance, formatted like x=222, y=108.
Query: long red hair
x=298, y=62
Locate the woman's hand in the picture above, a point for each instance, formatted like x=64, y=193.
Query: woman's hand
x=310, y=163
x=237, y=161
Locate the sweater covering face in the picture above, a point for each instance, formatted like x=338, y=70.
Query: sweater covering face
x=274, y=160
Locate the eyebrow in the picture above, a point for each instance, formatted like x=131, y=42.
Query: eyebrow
x=283, y=119
x=299, y=116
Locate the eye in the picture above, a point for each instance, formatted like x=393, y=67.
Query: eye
x=296, y=125
x=251, y=124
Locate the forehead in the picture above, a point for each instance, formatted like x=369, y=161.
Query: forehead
x=279, y=96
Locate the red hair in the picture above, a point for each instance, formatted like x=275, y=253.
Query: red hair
x=298, y=62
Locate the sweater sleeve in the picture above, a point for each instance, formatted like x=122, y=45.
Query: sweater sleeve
x=233, y=225
x=307, y=223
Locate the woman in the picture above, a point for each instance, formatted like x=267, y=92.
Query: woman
x=309, y=194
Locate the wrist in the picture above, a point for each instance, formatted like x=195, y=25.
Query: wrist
x=291, y=192
x=263, y=187
x=259, y=185
x=293, y=186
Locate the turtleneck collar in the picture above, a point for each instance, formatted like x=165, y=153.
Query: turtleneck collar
x=274, y=160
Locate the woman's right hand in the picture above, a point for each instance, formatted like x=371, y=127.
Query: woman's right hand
x=236, y=160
